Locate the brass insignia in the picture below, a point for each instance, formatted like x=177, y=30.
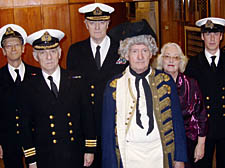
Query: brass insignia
x=209, y=24
x=114, y=95
x=113, y=83
x=166, y=77
x=9, y=30
x=46, y=37
x=97, y=11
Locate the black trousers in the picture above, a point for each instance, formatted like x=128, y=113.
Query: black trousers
x=12, y=156
x=210, y=145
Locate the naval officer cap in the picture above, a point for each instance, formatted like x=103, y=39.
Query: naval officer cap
x=45, y=39
x=96, y=11
x=211, y=24
x=12, y=31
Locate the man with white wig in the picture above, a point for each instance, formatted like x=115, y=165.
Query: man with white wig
x=142, y=125
x=55, y=104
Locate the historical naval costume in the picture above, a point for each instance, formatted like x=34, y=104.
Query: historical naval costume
x=59, y=112
x=126, y=145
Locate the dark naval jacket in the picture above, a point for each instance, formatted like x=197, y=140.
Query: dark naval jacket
x=80, y=59
x=10, y=113
x=212, y=85
x=64, y=126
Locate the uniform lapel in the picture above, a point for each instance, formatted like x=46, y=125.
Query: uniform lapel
x=6, y=76
x=65, y=83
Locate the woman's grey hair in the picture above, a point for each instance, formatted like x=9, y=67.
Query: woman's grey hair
x=148, y=40
x=183, y=58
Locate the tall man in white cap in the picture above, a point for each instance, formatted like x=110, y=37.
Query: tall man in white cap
x=12, y=42
x=208, y=68
x=96, y=59
x=55, y=104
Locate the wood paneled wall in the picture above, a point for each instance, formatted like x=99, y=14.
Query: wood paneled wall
x=34, y=15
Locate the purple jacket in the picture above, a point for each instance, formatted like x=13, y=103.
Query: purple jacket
x=192, y=107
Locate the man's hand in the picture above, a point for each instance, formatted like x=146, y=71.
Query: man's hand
x=1, y=152
x=33, y=165
x=88, y=159
x=178, y=164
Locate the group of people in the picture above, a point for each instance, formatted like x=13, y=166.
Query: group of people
x=111, y=108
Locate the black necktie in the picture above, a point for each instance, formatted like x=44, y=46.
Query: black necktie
x=97, y=57
x=213, y=64
x=148, y=97
x=18, y=78
x=53, y=86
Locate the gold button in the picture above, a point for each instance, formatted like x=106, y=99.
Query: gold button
x=17, y=124
x=130, y=112
x=92, y=102
x=208, y=115
x=70, y=124
x=126, y=123
x=71, y=131
x=51, y=117
x=223, y=97
x=54, y=141
x=92, y=86
x=153, y=84
x=92, y=94
x=53, y=133
x=128, y=118
x=223, y=88
x=68, y=114
x=17, y=117
x=224, y=115
x=131, y=107
x=223, y=106
x=52, y=125
x=208, y=107
x=207, y=98
x=33, y=129
x=72, y=138
x=17, y=132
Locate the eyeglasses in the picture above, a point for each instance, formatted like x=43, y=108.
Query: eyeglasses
x=11, y=46
x=168, y=58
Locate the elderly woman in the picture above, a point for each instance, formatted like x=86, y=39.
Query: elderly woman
x=173, y=61
x=142, y=125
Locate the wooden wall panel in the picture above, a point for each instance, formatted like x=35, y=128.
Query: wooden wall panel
x=78, y=29
x=26, y=2
x=6, y=17
x=25, y=17
x=44, y=2
x=57, y=17
x=6, y=3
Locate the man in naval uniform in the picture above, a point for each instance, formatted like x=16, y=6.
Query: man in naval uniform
x=96, y=59
x=142, y=123
x=55, y=104
x=208, y=68
x=12, y=41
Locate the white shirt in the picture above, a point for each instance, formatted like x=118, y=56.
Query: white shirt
x=21, y=69
x=135, y=133
x=105, y=44
x=209, y=59
x=55, y=76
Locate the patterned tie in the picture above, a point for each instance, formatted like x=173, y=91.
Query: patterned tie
x=97, y=57
x=213, y=64
x=18, y=78
x=53, y=86
x=148, y=97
